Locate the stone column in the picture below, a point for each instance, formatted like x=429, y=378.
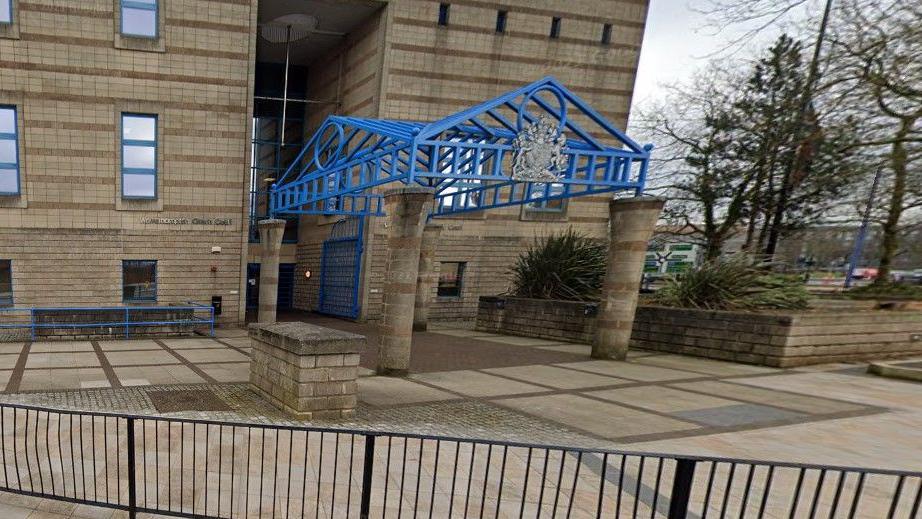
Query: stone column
x=405, y=221
x=632, y=221
x=270, y=244
x=427, y=277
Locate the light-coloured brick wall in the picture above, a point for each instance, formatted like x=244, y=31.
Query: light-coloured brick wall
x=432, y=71
x=71, y=74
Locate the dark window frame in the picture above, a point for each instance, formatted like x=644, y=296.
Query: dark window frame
x=501, y=19
x=457, y=290
x=556, y=22
x=152, y=285
x=444, y=14
x=606, y=34
x=6, y=301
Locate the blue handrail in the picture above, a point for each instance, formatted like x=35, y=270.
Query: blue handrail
x=127, y=322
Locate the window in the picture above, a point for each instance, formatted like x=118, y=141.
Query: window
x=139, y=280
x=606, y=34
x=9, y=151
x=555, y=27
x=139, y=156
x=451, y=277
x=545, y=190
x=6, y=283
x=501, y=21
x=6, y=11
x=139, y=18
x=443, y=13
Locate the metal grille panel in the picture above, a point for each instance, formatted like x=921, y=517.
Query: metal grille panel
x=340, y=267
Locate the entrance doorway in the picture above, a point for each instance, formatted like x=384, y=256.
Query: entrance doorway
x=286, y=295
x=340, y=269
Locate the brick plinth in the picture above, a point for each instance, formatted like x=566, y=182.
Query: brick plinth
x=304, y=369
x=632, y=224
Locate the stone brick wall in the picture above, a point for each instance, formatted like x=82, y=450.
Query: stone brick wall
x=779, y=339
x=771, y=339
x=71, y=75
x=543, y=318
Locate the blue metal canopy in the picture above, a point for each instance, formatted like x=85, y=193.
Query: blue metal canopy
x=537, y=143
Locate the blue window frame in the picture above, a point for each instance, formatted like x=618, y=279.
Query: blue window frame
x=6, y=283
x=9, y=151
x=139, y=18
x=6, y=11
x=139, y=156
x=139, y=281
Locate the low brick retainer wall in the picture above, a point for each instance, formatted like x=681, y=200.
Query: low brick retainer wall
x=544, y=318
x=778, y=339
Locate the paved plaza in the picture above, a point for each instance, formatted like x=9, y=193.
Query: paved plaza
x=471, y=384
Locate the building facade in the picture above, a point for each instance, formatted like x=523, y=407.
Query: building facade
x=138, y=139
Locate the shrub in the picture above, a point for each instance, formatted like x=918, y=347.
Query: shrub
x=568, y=266
x=733, y=283
x=897, y=290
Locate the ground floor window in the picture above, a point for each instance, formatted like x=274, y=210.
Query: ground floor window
x=139, y=280
x=451, y=278
x=6, y=283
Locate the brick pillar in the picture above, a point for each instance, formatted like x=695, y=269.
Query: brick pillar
x=632, y=221
x=270, y=244
x=405, y=221
x=427, y=277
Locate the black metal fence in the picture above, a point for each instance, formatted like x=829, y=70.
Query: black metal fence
x=210, y=469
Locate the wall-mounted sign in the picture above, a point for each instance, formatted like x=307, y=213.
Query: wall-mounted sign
x=188, y=221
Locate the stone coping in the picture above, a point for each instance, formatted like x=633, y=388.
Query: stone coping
x=307, y=339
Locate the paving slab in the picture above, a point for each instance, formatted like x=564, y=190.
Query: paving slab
x=737, y=414
x=235, y=372
x=659, y=398
x=5, y=377
x=11, y=348
x=515, y=340
x=56, y=379
x=863, y=389
x=60, y=346
x=792, y=401
x=629, y=370
x=606, y=420
x=383, y=391
x=129, y=358
x=578, y=349
x=62, y=360
x=8, y=361
x=224, y=354
x=159, y=374
x=709, y=367
x=182, y=344
x=464, y=333
x=476, y=384
x=558, y=378
x=129, y=345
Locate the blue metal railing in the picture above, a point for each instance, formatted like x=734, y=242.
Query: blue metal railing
x=123, y=318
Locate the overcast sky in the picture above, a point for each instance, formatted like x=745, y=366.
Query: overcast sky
x=677, y=42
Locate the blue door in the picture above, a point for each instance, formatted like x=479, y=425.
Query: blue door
x=340, y=268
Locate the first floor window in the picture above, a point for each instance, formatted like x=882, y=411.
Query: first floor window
x=139, y=280
x=139, y=18
x=555, y=27
x=543, y=190
x=9, y=151
x=6, y=11
x=501, y=21
x=606, y=33
x=6, y=283
x=443, y=13
x=451, y=277
x=139, y=156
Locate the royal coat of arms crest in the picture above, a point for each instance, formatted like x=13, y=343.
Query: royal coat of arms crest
x=538, y=152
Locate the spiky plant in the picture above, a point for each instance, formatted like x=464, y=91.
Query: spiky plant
x=732, y=283
x=568, y=266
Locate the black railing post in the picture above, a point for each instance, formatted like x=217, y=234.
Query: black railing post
x=681, y=488
x=132, y=491
x=366, y=476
